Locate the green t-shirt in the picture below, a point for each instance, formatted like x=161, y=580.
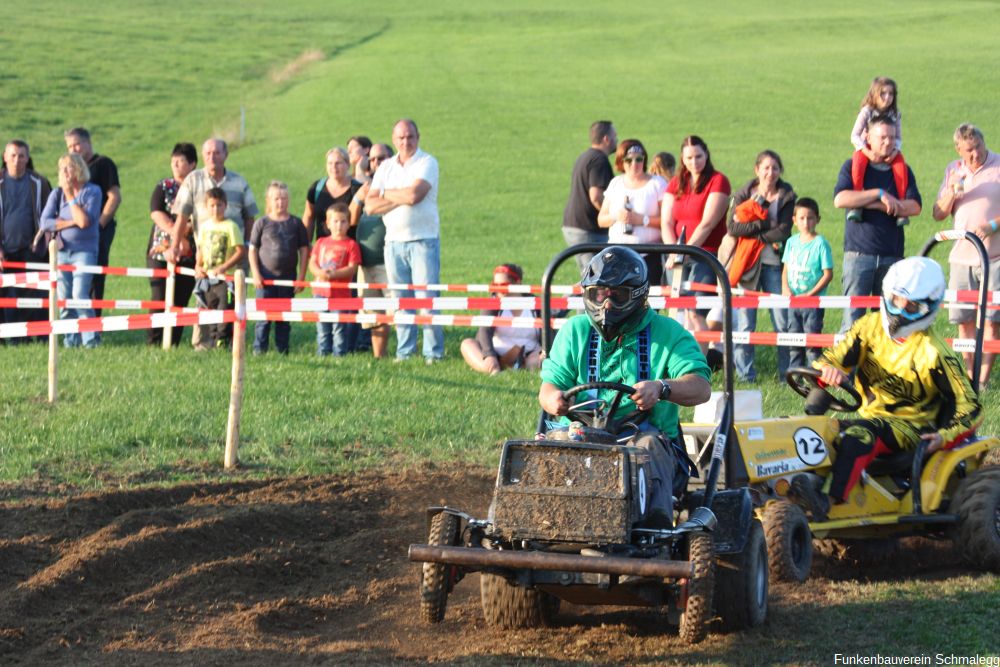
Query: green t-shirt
x=673, y=352
x=217, y=242
x=805, y=262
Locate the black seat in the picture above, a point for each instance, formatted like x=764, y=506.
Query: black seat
x=897, y=463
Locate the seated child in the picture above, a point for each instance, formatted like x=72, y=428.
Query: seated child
x=498, y=348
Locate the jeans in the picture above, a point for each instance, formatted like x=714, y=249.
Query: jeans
x=23, y=314
x=574, y=236
x=415, y=262
x=332, y=338
x=282, y=330
x=745, y=319
x=863, y=275
x=103, y=256
x=807, y=321
x=77, y=286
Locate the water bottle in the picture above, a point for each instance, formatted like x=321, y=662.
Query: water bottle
x=626, y=227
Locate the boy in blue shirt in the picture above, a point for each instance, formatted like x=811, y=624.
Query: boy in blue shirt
x=808, y=269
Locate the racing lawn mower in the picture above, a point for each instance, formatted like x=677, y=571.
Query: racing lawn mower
x=568, y=521
x=952, y=493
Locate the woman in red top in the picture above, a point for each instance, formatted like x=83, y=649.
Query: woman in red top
x=695, y=209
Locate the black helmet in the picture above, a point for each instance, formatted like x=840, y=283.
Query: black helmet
x=617, y=275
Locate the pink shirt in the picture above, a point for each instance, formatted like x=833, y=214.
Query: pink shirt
x=979, y=205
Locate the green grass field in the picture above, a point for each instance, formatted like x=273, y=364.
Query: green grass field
x=504, y=94
x=504, y=97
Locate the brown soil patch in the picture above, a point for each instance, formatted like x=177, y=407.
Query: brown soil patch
x=291, y=69
x=293, y=571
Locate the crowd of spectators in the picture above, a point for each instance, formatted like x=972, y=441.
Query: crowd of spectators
x=373, y=217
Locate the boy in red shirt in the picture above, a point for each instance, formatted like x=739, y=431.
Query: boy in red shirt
x=336, y=258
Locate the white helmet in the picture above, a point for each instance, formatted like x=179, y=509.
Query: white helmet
x=919, y=280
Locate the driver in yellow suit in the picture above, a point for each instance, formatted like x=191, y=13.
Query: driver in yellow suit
x=913, y=386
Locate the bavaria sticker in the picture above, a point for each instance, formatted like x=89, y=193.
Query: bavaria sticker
x=755, y=433
x=810, y=446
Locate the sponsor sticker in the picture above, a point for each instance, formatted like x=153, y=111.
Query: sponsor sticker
x=778, y=468
x=755, y=433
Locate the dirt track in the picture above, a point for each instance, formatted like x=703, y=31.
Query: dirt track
x=291, y=571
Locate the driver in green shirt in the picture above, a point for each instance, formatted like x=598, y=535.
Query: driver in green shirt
x=622, y=340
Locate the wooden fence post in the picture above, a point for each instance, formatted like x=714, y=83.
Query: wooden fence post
x=53, y=316
x=236, y=387
x=168, y=331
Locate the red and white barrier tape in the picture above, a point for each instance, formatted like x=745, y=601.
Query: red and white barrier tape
x=159, y=320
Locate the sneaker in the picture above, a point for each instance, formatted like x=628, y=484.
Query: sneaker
x=809, y=498
x=854, y=215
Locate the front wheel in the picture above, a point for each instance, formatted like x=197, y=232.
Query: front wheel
x=789, y=541
x=437, y=579
x=742, y=585
x=698, y=608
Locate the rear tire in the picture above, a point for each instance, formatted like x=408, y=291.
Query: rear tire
x=977, y=503
x=510, y=607
x=789, y=541
x=437, y=579
x=742, y=584
x=698, y=610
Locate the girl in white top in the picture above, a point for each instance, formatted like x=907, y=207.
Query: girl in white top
x=631, y=208
x=497, y=348
x=881, y=99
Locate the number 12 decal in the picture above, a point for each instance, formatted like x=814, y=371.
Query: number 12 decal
x=810, y=446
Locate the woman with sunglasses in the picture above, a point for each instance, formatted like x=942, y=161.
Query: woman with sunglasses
x=631, y=208
x=498, y=348
x=695, y=208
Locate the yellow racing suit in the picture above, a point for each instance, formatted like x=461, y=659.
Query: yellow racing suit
x=908, y=387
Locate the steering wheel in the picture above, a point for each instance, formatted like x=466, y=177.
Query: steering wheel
x=806, y=380
x=600, y=416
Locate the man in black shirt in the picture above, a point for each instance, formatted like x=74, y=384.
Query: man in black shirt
x=591, y=175
x=104, y=174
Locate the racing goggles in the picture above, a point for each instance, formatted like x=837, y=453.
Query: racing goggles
x=913, y=310
x=620, y=295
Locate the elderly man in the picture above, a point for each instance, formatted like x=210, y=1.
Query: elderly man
x=104, y=174
x=591, y=175
x=404, y=192
x=191, y=208
x=23, y=194
x=875, y=242
x=970, y=193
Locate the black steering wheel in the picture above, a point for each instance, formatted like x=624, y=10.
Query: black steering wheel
x=806, y=380
x=600, y=416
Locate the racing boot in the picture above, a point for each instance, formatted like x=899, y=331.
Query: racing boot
x=808, y=497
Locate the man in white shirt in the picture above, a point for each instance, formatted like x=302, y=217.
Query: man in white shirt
x=404, y=192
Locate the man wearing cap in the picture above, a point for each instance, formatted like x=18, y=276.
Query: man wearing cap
x=970, y=193
x=632, y=345
x=590, y=178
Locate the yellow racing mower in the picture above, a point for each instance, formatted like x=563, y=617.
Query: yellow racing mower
x=952, y=493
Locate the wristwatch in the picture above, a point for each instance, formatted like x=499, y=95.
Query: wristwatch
x=664, y=390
